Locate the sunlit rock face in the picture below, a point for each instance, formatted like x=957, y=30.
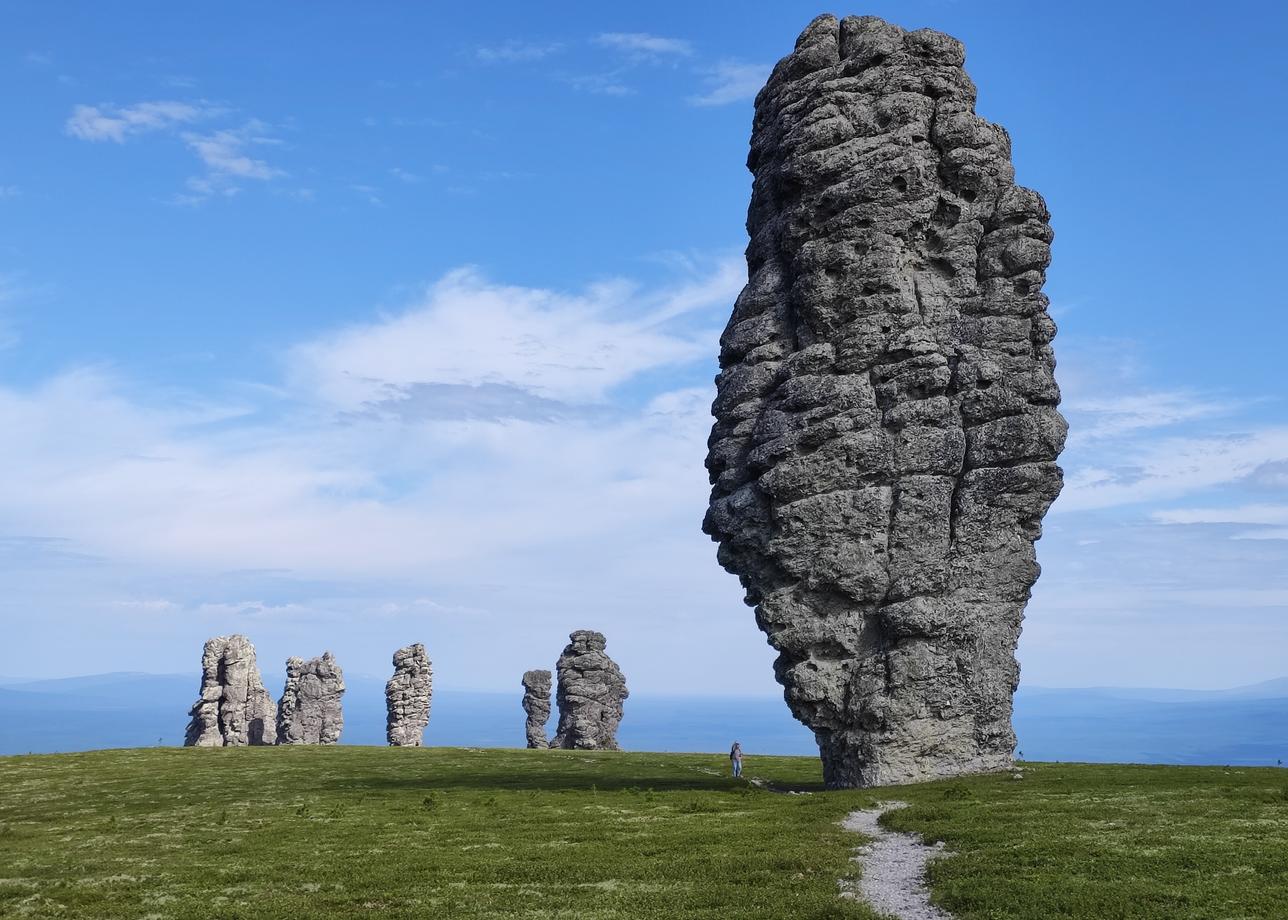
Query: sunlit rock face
x=234, y=708
x=310, y=710
x=536, y=703
x=590, y=695
x=886, y=424
x=407, y=697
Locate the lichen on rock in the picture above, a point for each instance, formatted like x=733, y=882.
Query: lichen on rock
x=311, y=709
x=590, y=694
x=886, y=413
x=233, y=708
x=408, y=695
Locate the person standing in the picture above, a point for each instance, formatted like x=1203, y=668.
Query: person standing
x=735, y=759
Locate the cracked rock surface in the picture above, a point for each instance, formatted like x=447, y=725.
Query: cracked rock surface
x=590, y=694
x=407, y=697
x=536, y=703
x=310, y=710
x=234, y=708
x=886, y=412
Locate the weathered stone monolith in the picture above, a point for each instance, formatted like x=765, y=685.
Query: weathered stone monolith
x=536, y=703
x=310, y=710
x=234, y=708
x=886, y=424
x=590, y=694
x=407, y=697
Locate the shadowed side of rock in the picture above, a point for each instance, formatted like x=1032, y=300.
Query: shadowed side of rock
x=590, y=695
x=886, y=412
x=233, y=708
x=311, y=710
x=536, y=703
x=407, y=697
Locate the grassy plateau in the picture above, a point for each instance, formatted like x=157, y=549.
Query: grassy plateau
x=463, y=833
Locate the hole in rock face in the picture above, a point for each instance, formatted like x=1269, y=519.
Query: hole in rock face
x=943, y=268
x=899, y=183
x=984, y=384
x=1020, y=286
x=969, y=194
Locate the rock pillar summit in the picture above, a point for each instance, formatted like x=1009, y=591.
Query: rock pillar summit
x=886, y=425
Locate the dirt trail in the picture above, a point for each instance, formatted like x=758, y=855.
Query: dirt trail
x=894, y=868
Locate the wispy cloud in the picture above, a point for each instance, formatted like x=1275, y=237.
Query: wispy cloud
x=601, y=84
x=226, y=154
x=227, y=159
x=116, y=123
x=404, y=175
x=643, y=44
x=471, y=332
x=9, y=191
x=515, y=51
x=731, y=81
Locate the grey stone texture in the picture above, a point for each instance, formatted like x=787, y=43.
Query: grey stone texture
x=234, y=708
x=590, y=695
x=408, y=695
x=310, y=710
x=536, y=703
x=886, y=424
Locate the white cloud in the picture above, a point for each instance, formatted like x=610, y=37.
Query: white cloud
x=116, y=123
x=410, y=178
x=208, y=487
x=9, y=191
x=731, y=81
x=1166, y=468
x=468, y=331
x=601, y=84
x=645, y=45
x=224, y=152
x=1243, y=514
x=515, y=51
x=1107, y=416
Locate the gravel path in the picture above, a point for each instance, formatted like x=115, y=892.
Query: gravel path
x=894, y=868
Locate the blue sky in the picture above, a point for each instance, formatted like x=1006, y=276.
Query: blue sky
x=353, y=329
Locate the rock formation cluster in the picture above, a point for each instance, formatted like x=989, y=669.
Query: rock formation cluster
x=407, y=697
x=536, y=703
x=234, y=708
x=310, y=710
x=886, y=414
x=590, y=694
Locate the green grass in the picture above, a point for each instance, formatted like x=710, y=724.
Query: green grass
x=460, y=833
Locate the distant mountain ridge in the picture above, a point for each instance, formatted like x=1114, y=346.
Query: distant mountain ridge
x=1241, y=725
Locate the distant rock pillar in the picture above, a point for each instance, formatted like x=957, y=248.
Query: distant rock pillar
x=310, y=711
x=590, y=695
x=234, y=708
x=407, y=697
x=536, y=703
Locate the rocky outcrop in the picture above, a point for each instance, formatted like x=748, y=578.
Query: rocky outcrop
x=536, y=703
x=407, y=697
x=590, y=694
x=234, y=708
x=886, y=425
x=310, y=710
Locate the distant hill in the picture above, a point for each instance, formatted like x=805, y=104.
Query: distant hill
x=1244, y=725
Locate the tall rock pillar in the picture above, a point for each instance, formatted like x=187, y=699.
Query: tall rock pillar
x=886, y=425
